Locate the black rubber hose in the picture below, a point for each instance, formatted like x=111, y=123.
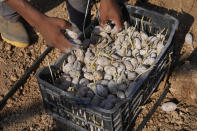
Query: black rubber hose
x=23, y=79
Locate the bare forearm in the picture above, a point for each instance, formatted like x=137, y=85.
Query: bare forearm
x=30, y=14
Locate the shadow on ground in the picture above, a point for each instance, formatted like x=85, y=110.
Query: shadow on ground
x=20, y=114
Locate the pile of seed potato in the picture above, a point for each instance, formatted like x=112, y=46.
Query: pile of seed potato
x=109, y=69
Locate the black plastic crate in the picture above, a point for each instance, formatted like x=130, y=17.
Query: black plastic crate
x=75, y=113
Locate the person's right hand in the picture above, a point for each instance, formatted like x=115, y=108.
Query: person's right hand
x=51, y=29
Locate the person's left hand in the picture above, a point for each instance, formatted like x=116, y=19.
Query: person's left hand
x=109, y=10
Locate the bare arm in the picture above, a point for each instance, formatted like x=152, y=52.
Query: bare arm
x=49, y=27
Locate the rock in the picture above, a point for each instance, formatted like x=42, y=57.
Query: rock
x=96, y=100
x=168, y=106
x=189, y=38
x=82, y=91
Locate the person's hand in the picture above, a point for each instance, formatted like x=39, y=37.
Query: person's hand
x=51, y=29
x=109, y=10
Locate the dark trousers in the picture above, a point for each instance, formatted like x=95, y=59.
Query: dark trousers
x=76, y=11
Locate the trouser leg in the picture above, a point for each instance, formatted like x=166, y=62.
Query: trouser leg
x=76, y=10
x=8, y=13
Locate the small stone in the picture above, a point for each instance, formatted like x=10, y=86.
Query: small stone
x=189, y=38
x=8, y=47
x=96, y=100
x=13, y=77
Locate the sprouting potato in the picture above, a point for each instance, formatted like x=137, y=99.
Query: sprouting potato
x=116, y=47
x=71, y=58
x=138, y=44
x=82, y=91
x=84, y=82
x=100, y=90
x=107, y=77
x=102, y=44
x=136, y=34
x=67, y=68
x=139, y=59
x=112, y=87
x=104, y=82
x=88, y=76
x=141, y=69
x=149, y=61
x=153, y=55
x=77, y=65
x=128, y=65
x=72, y=34
x=107, y=28
x=99, y=68
x=115, y=56
x=131, y=75
x=143, y=52
x=160, y=46
x=75, y=81
x=121, y=68
x=121, y=94
x=109, y=69
x=98, y=75
x=135, y=52
x=129, y=53
x=90, y=94
x=151, y=39
x=75, y=73
x=122, y=51
x=80, y=55
x=143, y=35
x=134, y=62
x=103, y=61
x=122, y=87
x=96, y=101
x=121, y=78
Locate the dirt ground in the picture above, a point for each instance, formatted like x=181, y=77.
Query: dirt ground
x=25, y=111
